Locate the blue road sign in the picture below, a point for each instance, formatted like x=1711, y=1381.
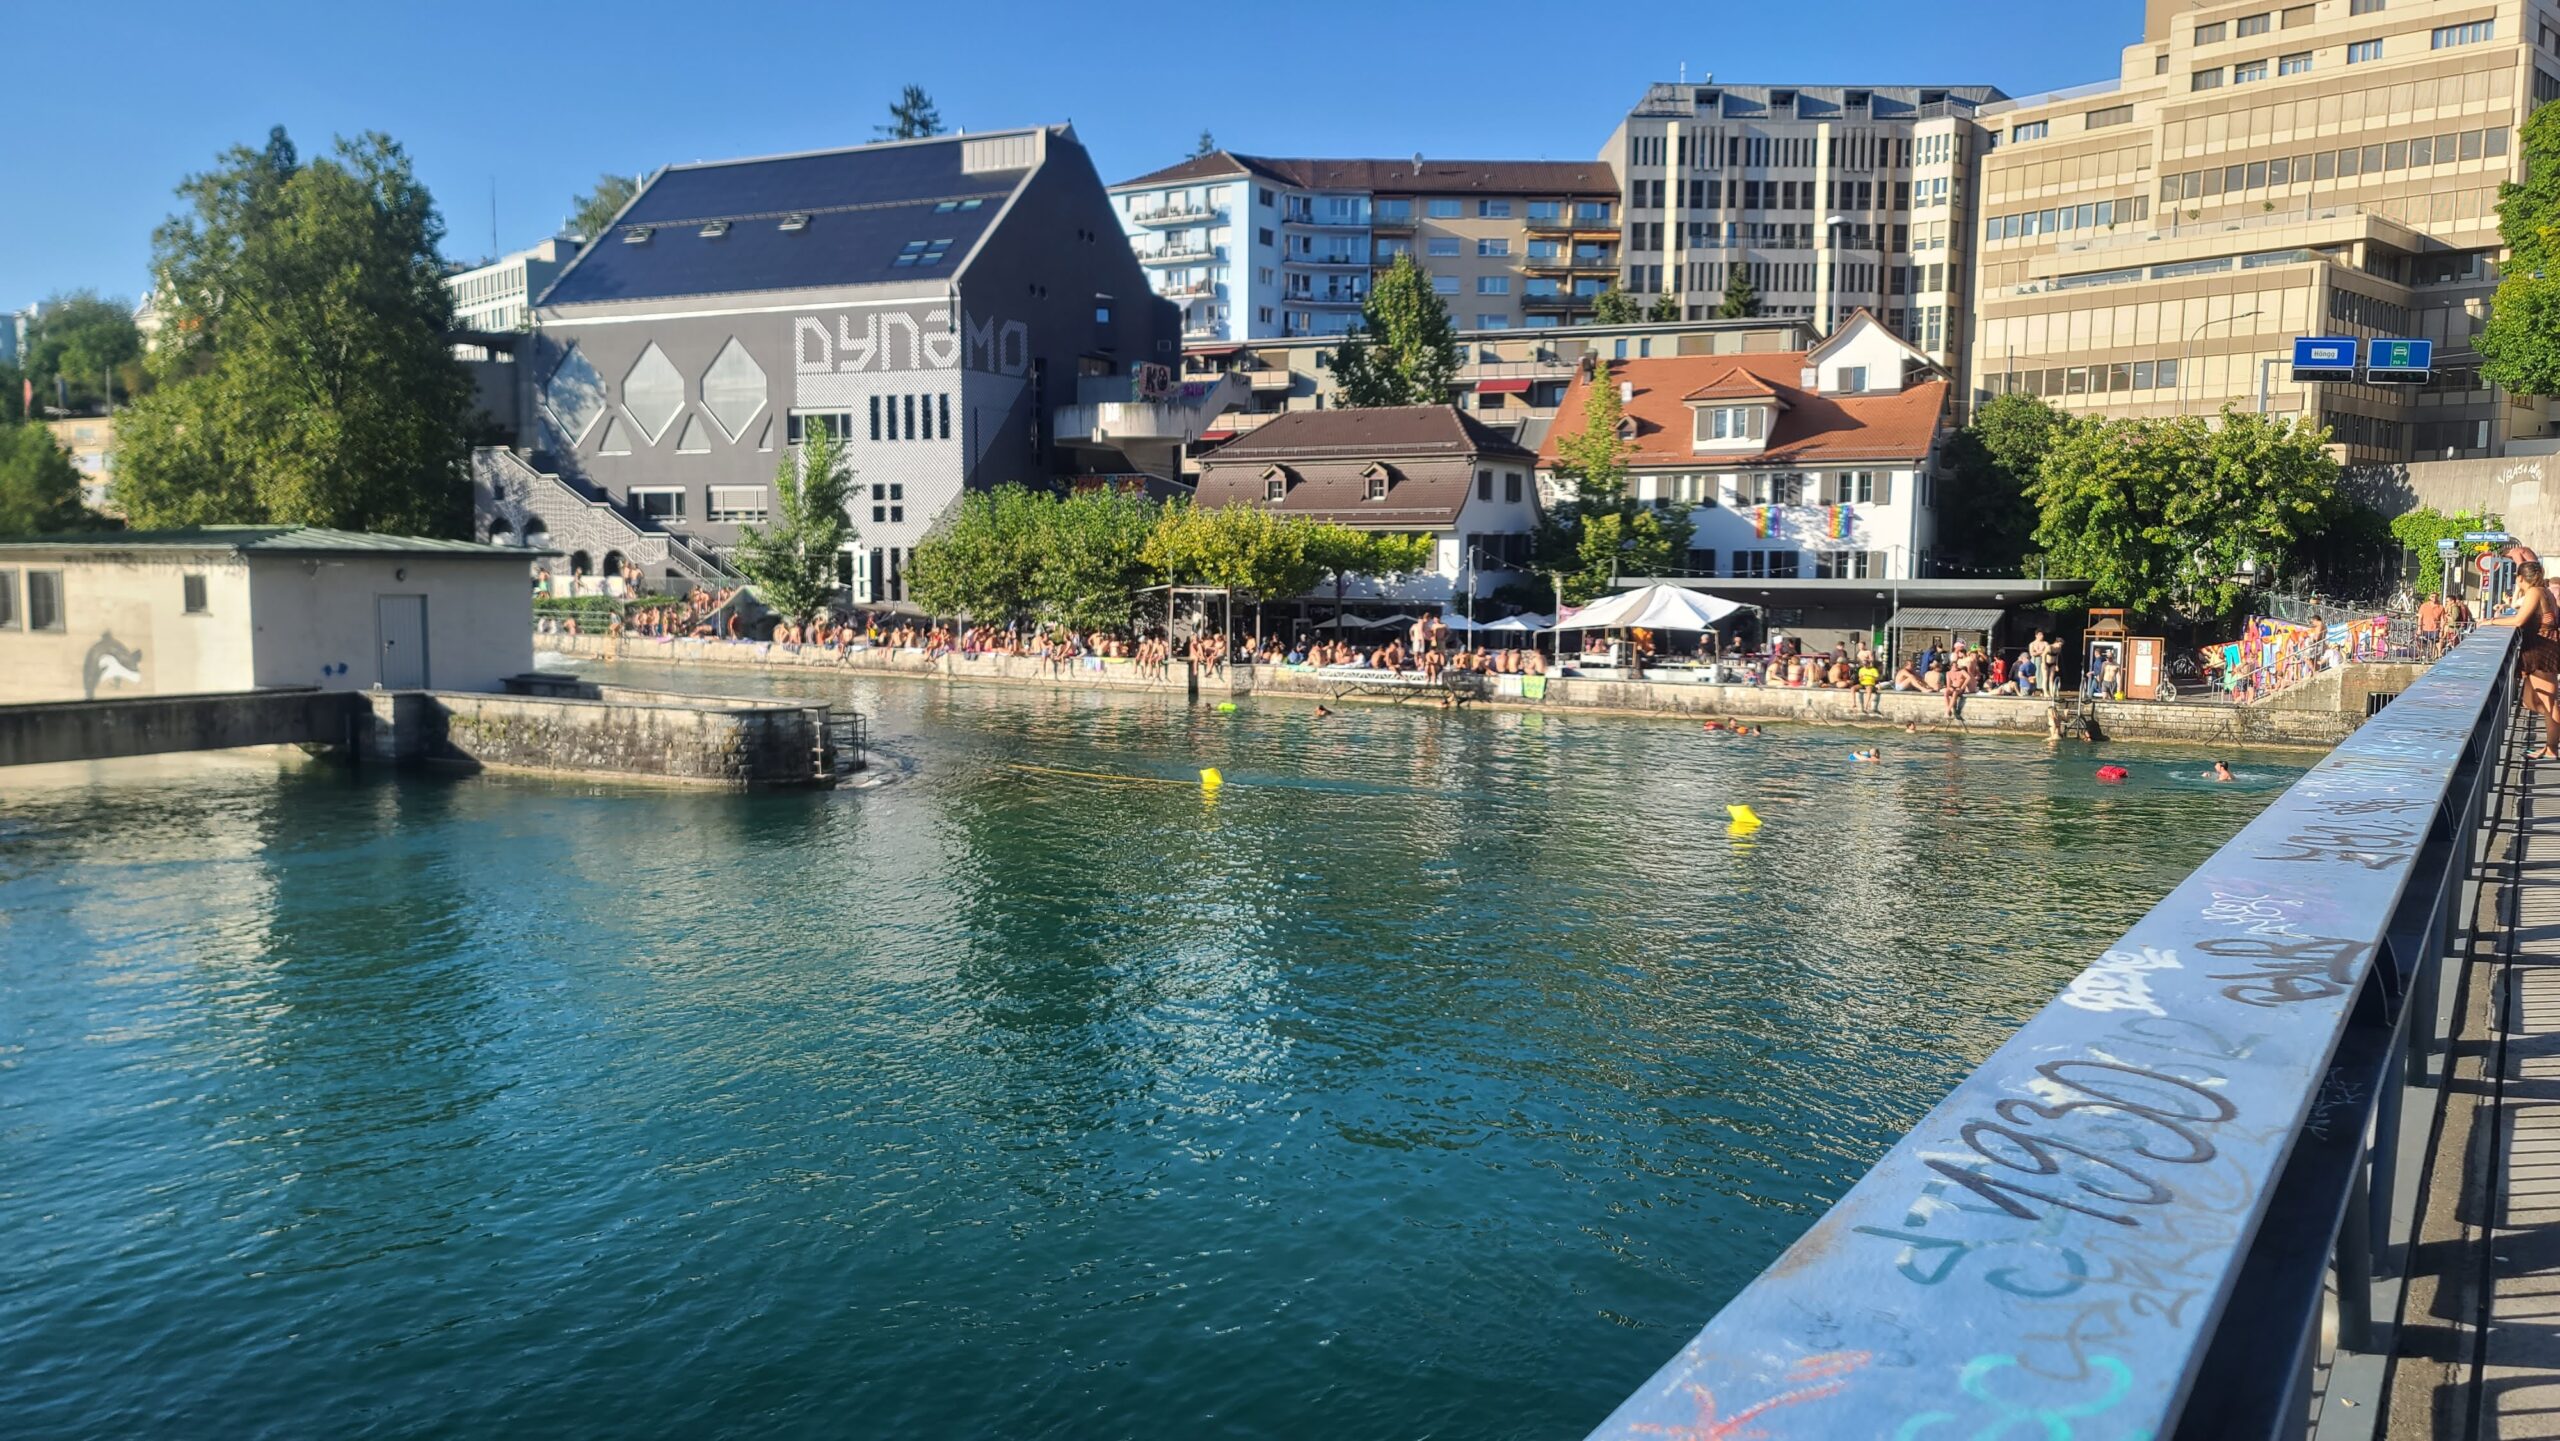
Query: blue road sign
x=2401, y=361
x=2447, y=545
x=2485, y=537
x=2325, y=355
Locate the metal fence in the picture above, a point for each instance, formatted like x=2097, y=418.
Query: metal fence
x=2177, y=1202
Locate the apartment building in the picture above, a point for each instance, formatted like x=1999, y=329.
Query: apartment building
x=1831, y=198
x=1254, y=247
x=498, y=297
x=2259, y=172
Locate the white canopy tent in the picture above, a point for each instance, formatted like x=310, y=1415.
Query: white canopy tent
x=1521, y=623
x=1656, y=607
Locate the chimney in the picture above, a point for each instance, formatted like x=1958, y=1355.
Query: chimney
x=1626, y=391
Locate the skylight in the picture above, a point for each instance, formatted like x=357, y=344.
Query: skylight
x=713, y=230
x=947, y=206
x=637, y=235
x=922, y=252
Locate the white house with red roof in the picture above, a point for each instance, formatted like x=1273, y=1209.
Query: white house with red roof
x=1802, y=464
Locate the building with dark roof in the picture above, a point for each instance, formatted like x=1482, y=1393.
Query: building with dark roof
x=958, y=310
x=1427, y=469
x=1257, y=247
x=1813, y=464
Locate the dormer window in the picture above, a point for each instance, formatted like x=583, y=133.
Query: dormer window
x=1626, y=427
x=1275, y=485
x=1376, y=477
x=1732, y=423
x=1853, y=379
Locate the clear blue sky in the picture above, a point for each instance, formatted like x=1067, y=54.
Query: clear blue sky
x=116, y=104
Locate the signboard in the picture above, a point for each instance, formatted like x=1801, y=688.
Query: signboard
x=2324, y=355
x=2482, y=537
x=2447, y=545
x=2489, y=564
x=2398, y=362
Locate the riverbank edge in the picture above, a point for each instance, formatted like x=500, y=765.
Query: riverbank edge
x=2256, y=726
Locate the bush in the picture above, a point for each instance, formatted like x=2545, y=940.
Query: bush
x=599, y=609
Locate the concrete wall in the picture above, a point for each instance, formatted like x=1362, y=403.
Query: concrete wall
x=2522, y=491
x=77, y=730
x=317, y=622
x=737, y=745
x=124, y=628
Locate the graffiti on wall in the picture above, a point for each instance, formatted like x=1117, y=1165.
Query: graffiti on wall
x=109, y=662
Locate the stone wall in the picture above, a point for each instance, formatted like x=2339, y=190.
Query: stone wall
x=2522, y=490
x=2199, y=723
x=738, y=745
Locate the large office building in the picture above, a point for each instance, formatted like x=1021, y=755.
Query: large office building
x=1255, y=248
x=1829, y=198
x=2260, y=172
x=961, y=311
x=497, y=298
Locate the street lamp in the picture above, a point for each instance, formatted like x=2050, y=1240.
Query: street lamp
x=2187, y=357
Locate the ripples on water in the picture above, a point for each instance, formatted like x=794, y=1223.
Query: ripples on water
x=1436, y=1079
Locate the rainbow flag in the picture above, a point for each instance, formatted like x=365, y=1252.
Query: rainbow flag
x=1760, y=522
x=1840, y=520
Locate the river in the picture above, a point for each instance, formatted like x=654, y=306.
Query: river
x=1437, y=1076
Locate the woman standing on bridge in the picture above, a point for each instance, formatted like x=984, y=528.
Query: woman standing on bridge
x=2538, y=658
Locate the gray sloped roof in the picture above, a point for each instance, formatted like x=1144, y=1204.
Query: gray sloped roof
x=274, y=540
x=864, y=205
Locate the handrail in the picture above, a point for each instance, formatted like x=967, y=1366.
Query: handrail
x=2127, y=1216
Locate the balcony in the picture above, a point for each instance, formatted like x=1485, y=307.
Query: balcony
x=1570, y=265
x=1175, y=217
x=1549, y=304
x=1402, y=225
x=1191, y=290
x=1310, y=222
x=1269, y=379
x=1188, y=255
x=1327, y=262
x=1329, y=299
x=1573, y=225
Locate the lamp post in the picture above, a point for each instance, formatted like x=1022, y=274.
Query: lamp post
x=2187, y=357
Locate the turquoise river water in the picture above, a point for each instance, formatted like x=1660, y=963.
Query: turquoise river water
x=1435, y=1079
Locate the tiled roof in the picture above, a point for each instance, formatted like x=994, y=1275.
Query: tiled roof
x=1811, y=428
x=1735, y=384
x=1398, y=177
x=274, y=540
x=1385, y=431
x=863, y=205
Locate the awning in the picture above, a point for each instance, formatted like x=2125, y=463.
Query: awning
x=1502, y=387
x=1921, y=617
x=1217, y=435
x=1211, y=349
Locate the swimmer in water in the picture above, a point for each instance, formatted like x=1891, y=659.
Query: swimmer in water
x=1867, y=757
x=1713, y=726
x=1323, y=711
x=1911, y=728
x=2222, y=771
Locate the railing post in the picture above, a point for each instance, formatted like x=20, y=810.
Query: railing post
x=2355, y=1257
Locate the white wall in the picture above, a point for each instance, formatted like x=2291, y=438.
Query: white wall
x=124, y=613
x=316, y=614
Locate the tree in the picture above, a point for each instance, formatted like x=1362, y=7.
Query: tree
x=1073, y=561
x=1598, y=532
x=1741, y=297
x=12, y=393
x=978, y=559
x=2183, y=517
x=1091, y=562
x=1208, y=145
x=1666, y=306
x=39, y=486
x=912, y=116
x=1988, y=522
x=304, y=372
x=1404, y=351
x=591, y=214
x=2520, y=347
x=793, y=566
x=1242, y=548
x=1613, y=307
x=86, y=342
x=2420, y=529
x=1342, y=552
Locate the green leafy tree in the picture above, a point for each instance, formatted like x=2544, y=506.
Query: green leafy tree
x=979, y=559
x=2520, y=347
x=592, y=213
x=1597, y=532
x=1613, y=307
x=1343, y=552
x=912, y=116
x=12, y=393
x=1091, y=558
x=1741, y=297
x=793, y=565
x=1404, y=351
x=1242, y=548
x=2183, y=517
x=304, y=374
x=39, y=486
x=1208, y=145
x=2420, y=529
x=1988, y=523
x=87, y=342
x=1666, y=306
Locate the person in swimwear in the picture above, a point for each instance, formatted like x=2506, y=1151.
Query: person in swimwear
x=1866, y=757
x=1323, y=711
x=2222, y=771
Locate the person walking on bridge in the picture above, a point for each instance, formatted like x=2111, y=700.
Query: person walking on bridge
x=2538, y=657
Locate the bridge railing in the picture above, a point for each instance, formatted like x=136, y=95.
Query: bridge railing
x=2178, y=1200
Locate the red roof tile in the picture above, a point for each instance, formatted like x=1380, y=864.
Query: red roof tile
x=1812, y=428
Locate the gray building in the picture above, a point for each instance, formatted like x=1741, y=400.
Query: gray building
x=962, y=311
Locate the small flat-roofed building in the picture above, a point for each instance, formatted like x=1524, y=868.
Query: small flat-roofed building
x=1428, y=469
x=236, y=607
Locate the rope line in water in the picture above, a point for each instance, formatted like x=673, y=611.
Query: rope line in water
x=1099, y=775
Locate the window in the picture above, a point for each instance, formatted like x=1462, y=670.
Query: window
x=2212, y=34
x=2448, y=36
x=1493, y=209
x=8, y=600
x=1493, y=285
x=2298, y=15
x=1492, y=247
x=1546, y=210
x=1444, y=285
x=1441, y=245
x=192, y=589
x=664, y=503
x=2032, y=130
x=2364, y=50
x=2298, y=64
x=1511, y=486
x=2112, y=115
x=1490, y=321
x=1857, y=487
x=1444, y=209
x=1377, y=487
x=1732, y=422
x=2247, y=71
x=921, y=252
x=1484, y=485
x=736, y=505
x=2248, y=25
x=1275, y=489
x=1393, y=212
x=2205, y=80
x=44, y=600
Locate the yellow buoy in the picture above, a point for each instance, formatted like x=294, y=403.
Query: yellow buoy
x=1226, y=705
x=1210, y=780
x=1744, y=818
